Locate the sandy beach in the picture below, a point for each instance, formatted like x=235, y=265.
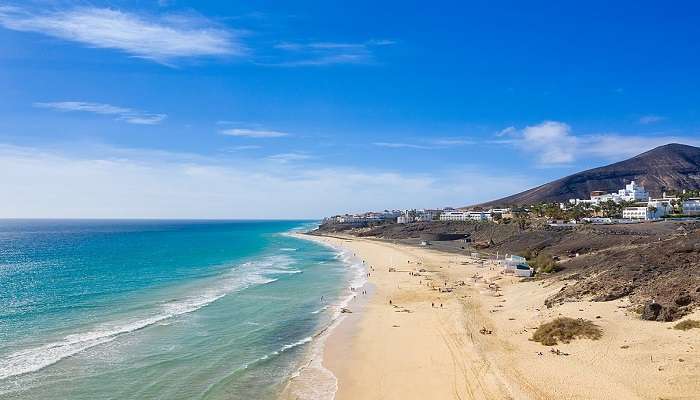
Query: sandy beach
x=406, y=339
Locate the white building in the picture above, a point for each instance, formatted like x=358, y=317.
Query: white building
x=642, y=213
x=645, y=213
x=480, y=215
x=691, y=206
x=454, y=215
x=348, y=219
x=404, y=219
x=597, y=220
x=663, y=207
x=632, y=192
x=427, y=215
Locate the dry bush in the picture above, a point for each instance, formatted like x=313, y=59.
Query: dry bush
x=687, y=324
x=566, y=329
x=545, y=263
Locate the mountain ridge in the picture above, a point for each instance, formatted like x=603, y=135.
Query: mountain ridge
x=673, y=166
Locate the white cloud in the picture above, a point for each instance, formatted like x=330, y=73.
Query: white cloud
x=328, y=53
x=651, y=119
x=289, y=157
x=253, y=133
x=159, y=39
x=553, y=143
x=126, y=183
x=243, y=147
x=453, y=142
x=396, y=145
x=429, y=145
x=124, y=114
x=509, y=131
x=552, y=140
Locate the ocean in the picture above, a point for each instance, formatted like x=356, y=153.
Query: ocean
x=163, y=309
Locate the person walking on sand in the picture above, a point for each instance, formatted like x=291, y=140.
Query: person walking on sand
x=389, y=301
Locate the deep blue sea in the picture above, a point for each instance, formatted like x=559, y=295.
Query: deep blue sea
x=161, y=309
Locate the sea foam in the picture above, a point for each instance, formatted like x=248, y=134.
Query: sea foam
x=249, y=274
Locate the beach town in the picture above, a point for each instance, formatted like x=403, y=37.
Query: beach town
x=629, y=204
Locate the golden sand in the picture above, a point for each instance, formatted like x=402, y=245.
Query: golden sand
x=473, y=342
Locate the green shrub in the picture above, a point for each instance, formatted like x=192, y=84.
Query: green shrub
x=566, y=329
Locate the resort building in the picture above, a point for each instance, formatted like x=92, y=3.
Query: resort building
x=691, y=206
x=465, y=216
x=365, y=218
x=641, y=213
x=631, y=193
x=645, y=213
x=454, y=216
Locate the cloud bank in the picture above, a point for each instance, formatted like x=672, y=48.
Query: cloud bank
x=128, y=183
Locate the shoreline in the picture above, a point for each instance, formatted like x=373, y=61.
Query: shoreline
x=304, y=383
x=410, y=350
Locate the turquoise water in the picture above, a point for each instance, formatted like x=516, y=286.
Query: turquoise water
x=160, y=309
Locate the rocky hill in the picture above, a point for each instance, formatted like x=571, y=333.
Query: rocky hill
x=669, y=167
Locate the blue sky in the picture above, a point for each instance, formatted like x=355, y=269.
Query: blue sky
x=222, y=109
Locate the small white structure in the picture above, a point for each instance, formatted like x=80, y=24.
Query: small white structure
x=691, y=206
x=598, y=220
x=510, y=263
x=524, y=270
